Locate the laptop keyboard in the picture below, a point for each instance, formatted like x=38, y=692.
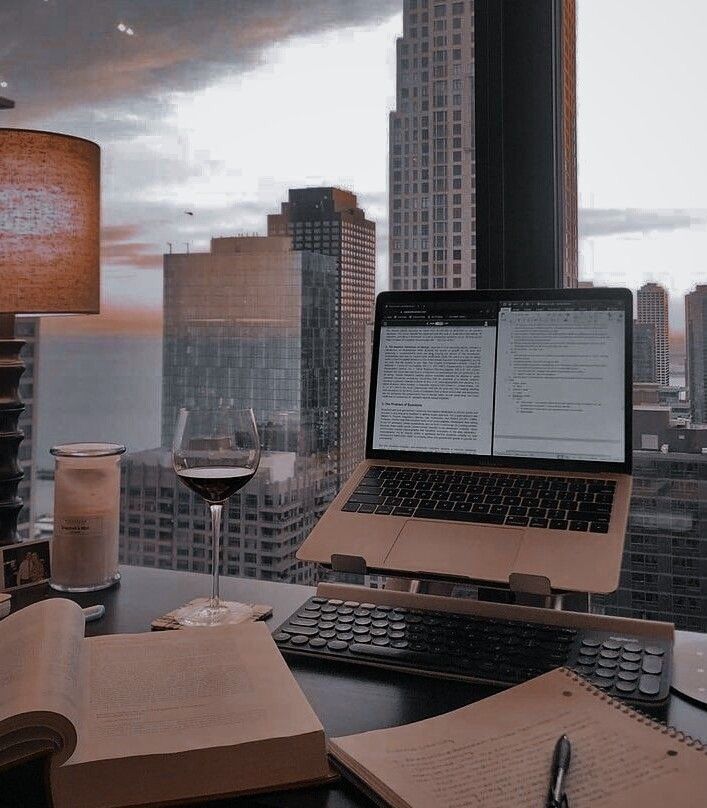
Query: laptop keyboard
x=519, y=500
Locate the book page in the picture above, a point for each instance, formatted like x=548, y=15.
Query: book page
x=41, y=672
x=154, y=694
x=498, y=752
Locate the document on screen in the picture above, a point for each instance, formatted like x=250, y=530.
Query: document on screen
x=560, y=384
x=435, y=388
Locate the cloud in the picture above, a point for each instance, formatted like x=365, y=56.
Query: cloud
x=66, y=53
x=595, y=222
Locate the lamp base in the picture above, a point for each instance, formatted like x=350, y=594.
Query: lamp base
x=11, y=407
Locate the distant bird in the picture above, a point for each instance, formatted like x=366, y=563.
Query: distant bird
x=189, y=212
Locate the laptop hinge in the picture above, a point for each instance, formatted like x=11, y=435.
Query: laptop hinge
x=341, y=562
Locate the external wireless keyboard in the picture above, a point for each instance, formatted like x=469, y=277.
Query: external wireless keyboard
x=477, y=649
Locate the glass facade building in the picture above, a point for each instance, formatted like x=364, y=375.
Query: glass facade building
x=329, y=221
x=432, y=199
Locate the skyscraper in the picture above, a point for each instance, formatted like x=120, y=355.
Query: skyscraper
x=165, y=525
x=652, y=305
x=431, y=149
x=663, y=574
x=696, y=349
x=252, y=323
x=328, y=221
x=432, y=157
x=644, y=352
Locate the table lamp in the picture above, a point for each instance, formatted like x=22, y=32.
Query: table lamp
x=49, y=264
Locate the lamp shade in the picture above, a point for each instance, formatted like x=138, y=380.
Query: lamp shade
x=49, y=223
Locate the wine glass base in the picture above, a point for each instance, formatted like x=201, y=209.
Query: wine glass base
x=206, y=615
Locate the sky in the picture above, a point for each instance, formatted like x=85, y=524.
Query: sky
x=220, y=113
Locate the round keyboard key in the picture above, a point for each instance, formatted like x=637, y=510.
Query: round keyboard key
x=345, y=618
x=654, y=650
x=345, y=635
x=281, y=637
x=606, y=653
x=379, y=623
x=328, y=609
x=604, y=673
x=652, y=664
x=633, y=647
x=362, y=621
x=337, y=645
x=397, y=626
x=380, y=641
x=299, y=639
x=345, y=610
x=318, y=600
x=649, y=685
x=384, y=609
x=625, y=687
x=396, y=635
x=399, y=644
x=335, y=602
x=628, y=656
x=604, y=684
x=328, y=635
x=607, y=663
x=317, y=642
x=629, y=667
x=370, y=606
x=352, y=604
x=611, y=645
x=312, y=607
x=360, y=630
x=378, y=615
x=585, y=660
x=627, y=676
x=362, y=638
x=362, y=613
x=588, y=651
x=325, y=625
x=378, y=632
x=590, y=642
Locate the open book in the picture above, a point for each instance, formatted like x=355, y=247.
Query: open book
x=152, y=718
x=497, y=753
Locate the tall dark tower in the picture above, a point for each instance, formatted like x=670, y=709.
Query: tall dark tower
x=328, y=221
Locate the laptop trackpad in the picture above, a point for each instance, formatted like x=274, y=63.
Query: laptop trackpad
x=449, y=548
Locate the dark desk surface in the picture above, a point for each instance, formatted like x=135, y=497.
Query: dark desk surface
x=347, y=699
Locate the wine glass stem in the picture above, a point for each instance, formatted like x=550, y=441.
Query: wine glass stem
x=216, y=547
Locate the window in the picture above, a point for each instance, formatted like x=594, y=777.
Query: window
x=664, y=574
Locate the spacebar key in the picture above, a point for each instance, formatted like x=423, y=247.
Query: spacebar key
x=460, y=516
x=400, y=655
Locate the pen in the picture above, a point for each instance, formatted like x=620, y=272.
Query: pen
x=556, y=797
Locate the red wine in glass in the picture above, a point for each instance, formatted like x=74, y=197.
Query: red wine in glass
x=214, y=483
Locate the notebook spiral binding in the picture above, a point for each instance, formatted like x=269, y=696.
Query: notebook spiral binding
x=642, y=718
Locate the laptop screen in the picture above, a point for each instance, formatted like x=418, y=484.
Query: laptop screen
x=505, y=378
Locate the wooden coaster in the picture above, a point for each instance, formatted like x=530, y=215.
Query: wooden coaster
x=240, y=613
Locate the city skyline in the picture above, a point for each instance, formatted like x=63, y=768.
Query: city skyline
x=166, y=151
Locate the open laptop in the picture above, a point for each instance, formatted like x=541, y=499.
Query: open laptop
x=499, y=441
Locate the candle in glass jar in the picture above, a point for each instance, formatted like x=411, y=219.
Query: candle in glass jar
x=86, y=516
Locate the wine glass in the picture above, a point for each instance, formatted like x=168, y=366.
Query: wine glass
x=215, y=453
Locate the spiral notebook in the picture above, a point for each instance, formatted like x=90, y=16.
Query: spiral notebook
x=497, y=753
